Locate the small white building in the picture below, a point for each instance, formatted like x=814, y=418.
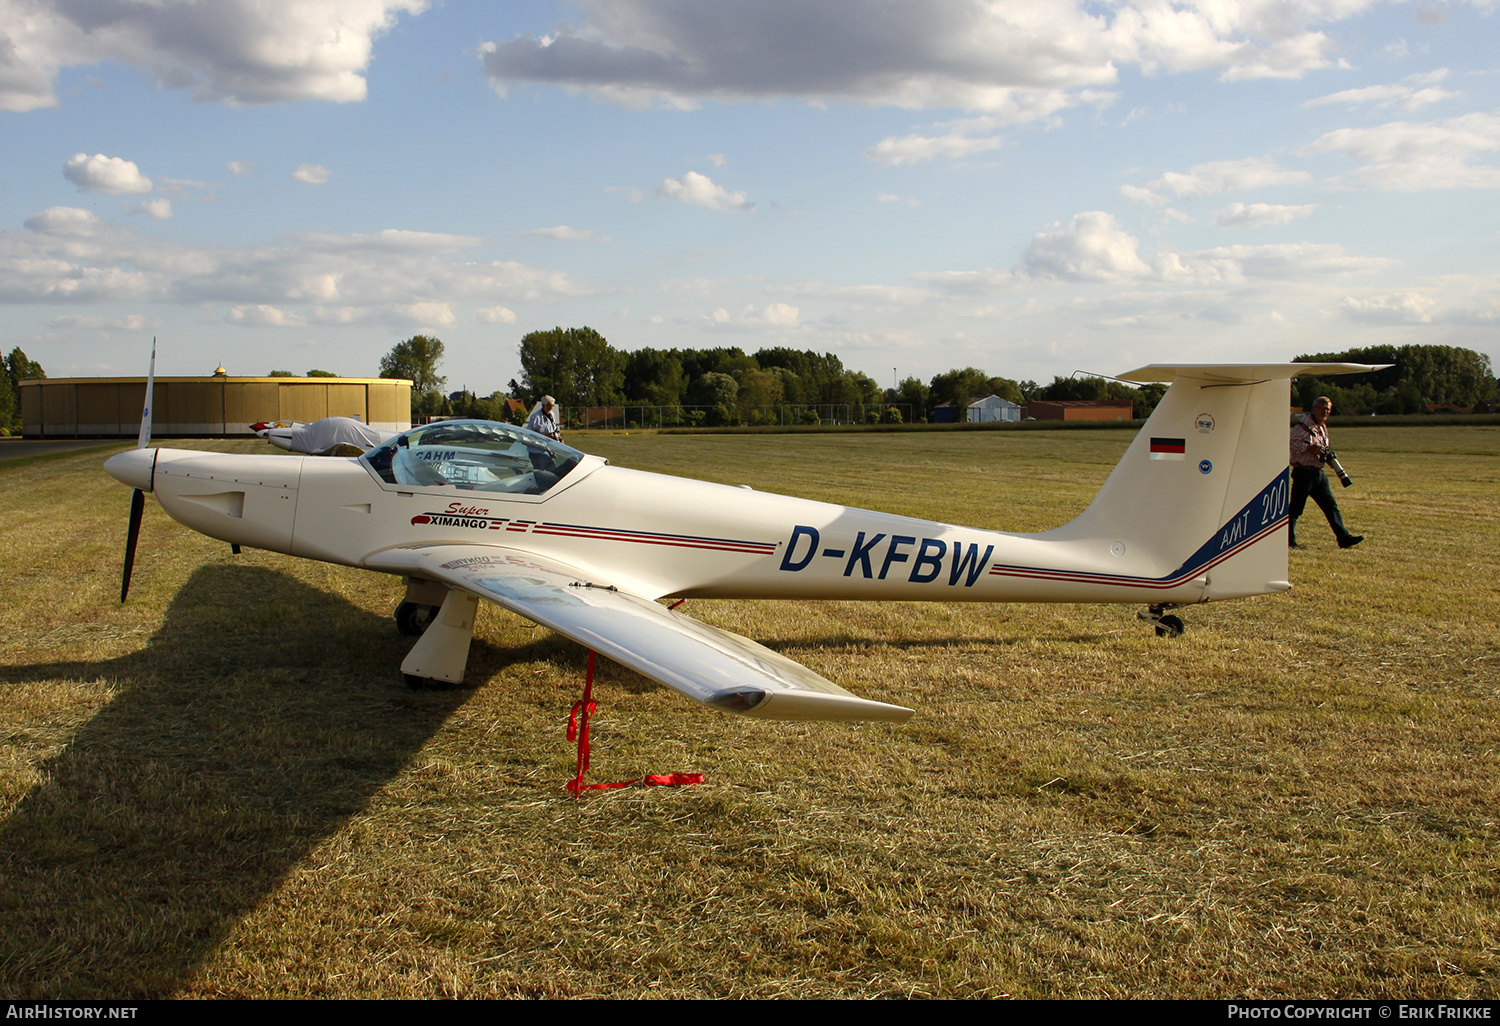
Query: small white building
x=991, y=409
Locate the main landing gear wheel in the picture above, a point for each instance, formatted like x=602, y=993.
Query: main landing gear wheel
x=1170, y=627
x=413, y=619
x=1167, y=626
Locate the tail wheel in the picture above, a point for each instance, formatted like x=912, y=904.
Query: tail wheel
x=413, y=619
x=1170, y=627
x=427, y=683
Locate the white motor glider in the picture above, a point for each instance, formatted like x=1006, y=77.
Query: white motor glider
x=331, y=436
x=465, y=510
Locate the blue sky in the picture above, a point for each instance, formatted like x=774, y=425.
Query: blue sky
x=1029, y=187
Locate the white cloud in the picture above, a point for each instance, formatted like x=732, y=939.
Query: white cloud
x=1140, y=195
x=773, y=315
x=181, y=187
x=495, y=315
x=393, y=240
x=1093, y=247
x=967, y=54
x=887, y=198
x=700, y=191
x=244, y=51
x=1260, y=215
x=87, y=322
x=241, y=168
x=1228, y=175
x=63, y=221
x=68, y=254
x=1453, y=300
x=1393, y=308
x=62, y=281
x=913, y=149
x=966, y=136
x=563, y=233
x=1412, y=156
x=110, y=175
x=878, y=298
x=718, y=160
x=696, y=286
x=780, y=314
x=263, y=315
x=988, y=279
x=339, y=314
x=311, y=174
x=160, y=208
x=1231, y=265
x=426, y=314
x=1410, y=93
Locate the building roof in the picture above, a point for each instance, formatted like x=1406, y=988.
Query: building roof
x=212, y=380
x=1086, y=403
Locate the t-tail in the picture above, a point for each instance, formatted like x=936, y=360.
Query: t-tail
x=1200, y=498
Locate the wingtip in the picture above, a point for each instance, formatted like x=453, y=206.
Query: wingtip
x=816, y=705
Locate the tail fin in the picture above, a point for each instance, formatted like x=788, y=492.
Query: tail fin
x=1201, y=495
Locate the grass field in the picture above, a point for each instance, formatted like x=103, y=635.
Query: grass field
x=223, y=788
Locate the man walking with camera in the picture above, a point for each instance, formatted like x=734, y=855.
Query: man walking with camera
x=1309, y=451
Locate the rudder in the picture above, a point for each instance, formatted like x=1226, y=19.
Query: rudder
x=1201, y=494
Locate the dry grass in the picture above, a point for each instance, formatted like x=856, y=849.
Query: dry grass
x=223, y=789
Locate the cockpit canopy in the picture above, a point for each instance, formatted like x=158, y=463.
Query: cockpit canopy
x=475, y=455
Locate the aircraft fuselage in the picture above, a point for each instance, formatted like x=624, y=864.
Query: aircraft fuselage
x=660, y=536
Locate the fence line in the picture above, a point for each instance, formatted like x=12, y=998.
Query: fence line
x=583, y=418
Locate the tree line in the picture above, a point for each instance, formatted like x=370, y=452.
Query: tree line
x=726, y=385
x=18, y=367
x=579, y=367
x=1420, y=376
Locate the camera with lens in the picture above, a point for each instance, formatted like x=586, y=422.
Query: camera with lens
x=1331, y=458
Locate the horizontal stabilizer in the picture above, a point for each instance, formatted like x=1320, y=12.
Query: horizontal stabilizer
x=710, y=665
x=1245, y=373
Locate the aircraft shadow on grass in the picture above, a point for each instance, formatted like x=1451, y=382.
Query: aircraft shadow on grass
x=260, y=718
x=235, y=743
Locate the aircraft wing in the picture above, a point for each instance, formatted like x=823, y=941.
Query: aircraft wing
x=705, y=663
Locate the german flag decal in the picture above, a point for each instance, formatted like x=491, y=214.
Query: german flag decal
x=1168, y=448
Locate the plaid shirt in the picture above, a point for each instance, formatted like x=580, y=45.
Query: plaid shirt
x=1308, y=440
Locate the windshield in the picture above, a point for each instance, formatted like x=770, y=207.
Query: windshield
x=475, y=455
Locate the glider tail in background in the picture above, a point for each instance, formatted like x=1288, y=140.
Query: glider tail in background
x=1204, y=487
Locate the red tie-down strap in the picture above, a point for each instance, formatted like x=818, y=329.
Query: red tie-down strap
x=578, y=730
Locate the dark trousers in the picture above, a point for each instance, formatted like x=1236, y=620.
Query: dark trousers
x=1311, y=481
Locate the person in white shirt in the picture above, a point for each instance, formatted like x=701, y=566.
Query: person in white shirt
x=542, y=420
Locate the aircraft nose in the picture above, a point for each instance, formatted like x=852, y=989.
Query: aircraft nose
x=132, y=467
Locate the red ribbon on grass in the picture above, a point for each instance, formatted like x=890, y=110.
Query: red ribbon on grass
x=578, y=730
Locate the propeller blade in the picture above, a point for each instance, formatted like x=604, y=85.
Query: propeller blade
x=138, y=497
x=137, y=507
x=144, y=439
